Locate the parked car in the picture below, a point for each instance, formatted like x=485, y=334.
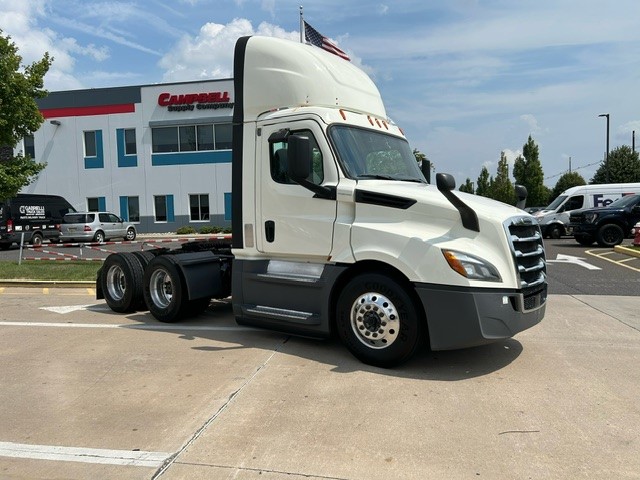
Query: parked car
x=95, y=226
x=609, y=226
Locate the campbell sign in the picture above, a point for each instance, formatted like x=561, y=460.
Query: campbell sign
x=190, y=101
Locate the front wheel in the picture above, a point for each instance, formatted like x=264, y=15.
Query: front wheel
x=98, y=237
x=610, y=235
x=585, y=241
x=378, y=321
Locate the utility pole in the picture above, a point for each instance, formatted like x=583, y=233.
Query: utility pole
x=569, y=164
x=633, y=141
x=606, y=164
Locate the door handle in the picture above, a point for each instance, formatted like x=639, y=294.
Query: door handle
x=270, y=231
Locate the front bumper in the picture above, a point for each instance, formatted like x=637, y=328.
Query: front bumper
x=464, y=317
x=584, y=229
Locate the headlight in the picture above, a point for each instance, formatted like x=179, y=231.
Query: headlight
x=590, y=217
x=471, y=267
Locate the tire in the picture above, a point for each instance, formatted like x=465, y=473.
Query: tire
x=36, y=240
x=5, y=246
x=99, y=236
x=555, y=232
x=121, y=281
x=143, y=258
x=610, y=235
x=164, y=290
x=585, y=241
x=131, y=234
x=378, y=321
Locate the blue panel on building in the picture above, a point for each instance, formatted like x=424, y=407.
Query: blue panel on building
x=190, y=158
x=124, y=160
x=98, y=160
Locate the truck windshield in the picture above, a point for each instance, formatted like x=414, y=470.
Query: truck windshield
x=367, y=154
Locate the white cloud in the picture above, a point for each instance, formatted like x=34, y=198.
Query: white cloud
x=210, y=53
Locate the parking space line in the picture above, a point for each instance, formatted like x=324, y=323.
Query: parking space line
x=163, y=327
x=603, y=257
x=85, y=455
x=45, y=291
x=1, y=290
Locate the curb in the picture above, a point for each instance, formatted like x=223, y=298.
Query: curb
x=46, y=283
x=632, y=251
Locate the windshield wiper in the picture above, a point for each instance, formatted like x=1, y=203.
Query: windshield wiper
x=389, y=177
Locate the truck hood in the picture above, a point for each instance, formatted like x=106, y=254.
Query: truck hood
x=429, y=201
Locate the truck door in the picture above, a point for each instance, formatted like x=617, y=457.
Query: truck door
x=290, y=220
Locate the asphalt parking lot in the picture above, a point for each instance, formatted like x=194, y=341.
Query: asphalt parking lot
x=86, y=393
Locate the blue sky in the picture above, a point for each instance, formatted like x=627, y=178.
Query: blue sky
x=465, y=79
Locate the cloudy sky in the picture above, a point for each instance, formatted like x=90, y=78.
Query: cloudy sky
x=465, y=79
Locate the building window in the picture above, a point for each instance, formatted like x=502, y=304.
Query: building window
x=223, y=136
x=130, y=147
x=29, y=148
x=160, y=202
x=90, y=149
x=96, y=204
x=130, y=209
x=191, y=138
x=199, y=207
x=205, y=137
x=164, y=139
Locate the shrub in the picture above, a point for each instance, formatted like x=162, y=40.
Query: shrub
x=185, y=230
x=210, y=229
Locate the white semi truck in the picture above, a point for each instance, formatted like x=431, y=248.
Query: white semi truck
x=335, y=228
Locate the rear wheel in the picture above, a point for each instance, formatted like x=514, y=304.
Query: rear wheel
x=378, y=321
x=36, y=240
x=121, y=281
x=131, y=234
x=164, y=292
x=610, y=235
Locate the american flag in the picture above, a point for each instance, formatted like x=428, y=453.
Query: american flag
x=316, y=38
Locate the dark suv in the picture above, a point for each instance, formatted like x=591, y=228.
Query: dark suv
x=609, y=226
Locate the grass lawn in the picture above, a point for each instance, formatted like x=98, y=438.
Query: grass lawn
x=49, y=270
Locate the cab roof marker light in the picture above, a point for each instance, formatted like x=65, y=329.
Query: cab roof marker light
x=343, y=114
x=385, y=125
x=378, y=123
x=369, y=118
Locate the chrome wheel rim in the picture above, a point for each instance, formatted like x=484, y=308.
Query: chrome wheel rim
x=116, y=283
x=375, y=320
x=161, y=288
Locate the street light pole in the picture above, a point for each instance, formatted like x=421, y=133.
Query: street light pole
x=606, y=164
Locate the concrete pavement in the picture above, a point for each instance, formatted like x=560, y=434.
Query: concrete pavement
x=207, y=399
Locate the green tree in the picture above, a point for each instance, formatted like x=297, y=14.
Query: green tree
x=484, y=183
x=421, y=158
x=467, y=186
x=20, y=86
x=527, y=171
x=622, y=166
x=501, y=188
x=568, y=180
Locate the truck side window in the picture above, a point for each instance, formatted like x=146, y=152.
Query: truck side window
x=279, y=162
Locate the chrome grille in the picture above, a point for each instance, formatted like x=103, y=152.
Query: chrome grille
x=525, y=239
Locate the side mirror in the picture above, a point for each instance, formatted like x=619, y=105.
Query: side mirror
x=445, y=182
x=300, y=157
x=521, y=194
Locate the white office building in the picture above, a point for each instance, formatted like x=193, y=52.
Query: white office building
x=156, y=155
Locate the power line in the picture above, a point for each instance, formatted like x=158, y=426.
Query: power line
x=573, y=169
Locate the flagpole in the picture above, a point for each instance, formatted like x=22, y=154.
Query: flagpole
x=301, y=26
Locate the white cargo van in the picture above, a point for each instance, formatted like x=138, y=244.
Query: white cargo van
x=554, y=219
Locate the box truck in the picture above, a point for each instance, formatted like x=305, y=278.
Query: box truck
x=554, y=219
x=336, y=230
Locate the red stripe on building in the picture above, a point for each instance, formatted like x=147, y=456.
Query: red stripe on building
x=84, y=111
